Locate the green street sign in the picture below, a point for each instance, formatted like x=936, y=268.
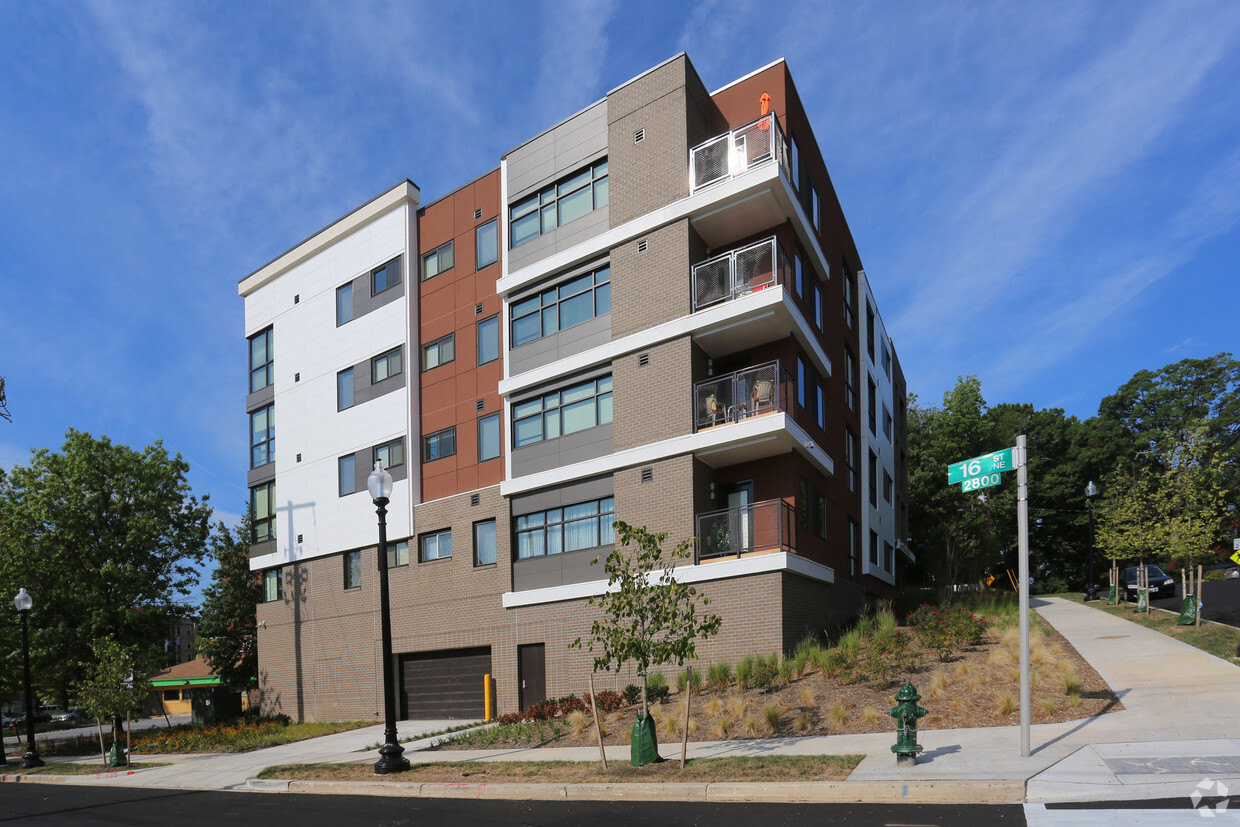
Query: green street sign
x=976, y=467
x=981, y=481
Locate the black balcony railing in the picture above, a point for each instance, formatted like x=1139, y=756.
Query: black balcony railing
x=731, y=532
x=731, y=397
x=739, y=273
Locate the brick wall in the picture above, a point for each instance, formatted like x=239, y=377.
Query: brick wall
x=654, y=286
x=654, y=401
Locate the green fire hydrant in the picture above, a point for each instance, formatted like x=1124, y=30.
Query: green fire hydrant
x=906, y=712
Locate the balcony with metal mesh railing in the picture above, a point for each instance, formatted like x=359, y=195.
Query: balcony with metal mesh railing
x=739, y=273
x=762, y=527
x=731, y=397
x=728, y=155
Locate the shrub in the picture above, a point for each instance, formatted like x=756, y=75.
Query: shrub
x=765, y=674
x=836, y=662
x=657, y=689
x=744, y=672
x=719, y=675
x=695, y=681
x=682, y=682
x=570, y=703
x=632, y=694
x=771, y=714
x=946, y=630
x=839, y=712
x=807, y=698
x=880, y=664
x=787, y=671
x=608, y=700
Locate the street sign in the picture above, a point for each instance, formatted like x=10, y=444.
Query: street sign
x=983, y=481
x=976, y=467
x=1235, y=558
x=1235, y=544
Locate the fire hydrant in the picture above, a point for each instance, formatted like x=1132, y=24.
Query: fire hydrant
x=906, y=712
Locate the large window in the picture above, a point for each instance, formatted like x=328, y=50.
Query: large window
x=484, y=543
x=569, y=199
x=263, y=512
x=872, y=399
x=854, y=547
x=384, y=277
x=873, y=479
x=488, y=437
x=344, y=304
x=812, y=509
x=348, y=474
x=887, y=422
x=273, y=586
x=262, y=436
x=850, y=378
x=869, y=331
x=488, y=340
x=886, y=360
x=575, y=301
x=344, y=389
x=438, y=260
x=437, y=546
x=386, y=365
x=574, y=527
x=439, y=444
x=850, y=457
x=850, y=302
x=439, y=352
x=391, y=454
x=261, y=356
x=800, y=382
x=563, y=412
x=887, y=484
x=352, y=569
x=486, y=244
x=821, y=411
x=874, y=548
x=796, y=162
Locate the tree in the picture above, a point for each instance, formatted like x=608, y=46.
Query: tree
x=650, y=619
x=226, y=631
x=106, y=538
x=112, y=686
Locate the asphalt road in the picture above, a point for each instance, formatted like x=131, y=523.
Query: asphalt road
x=92, y=731
x=1221, y=599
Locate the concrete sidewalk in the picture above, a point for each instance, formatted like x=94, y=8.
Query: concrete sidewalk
x=1174, y=733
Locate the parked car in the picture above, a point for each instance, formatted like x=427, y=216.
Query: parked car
x=1161, y=583
x=39, y=718
x=1230, y=571
x=77, y=715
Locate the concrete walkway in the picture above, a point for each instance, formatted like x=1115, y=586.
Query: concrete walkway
x=1176, y=731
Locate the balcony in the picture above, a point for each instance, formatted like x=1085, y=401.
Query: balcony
x=732, y=397
x=739, y=273
x=728, y=155
x=759, y=528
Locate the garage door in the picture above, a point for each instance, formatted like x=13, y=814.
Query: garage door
x=446, y=684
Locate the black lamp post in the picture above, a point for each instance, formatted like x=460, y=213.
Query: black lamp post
x=23, y=602
x=391, y=754
x=1091, y=588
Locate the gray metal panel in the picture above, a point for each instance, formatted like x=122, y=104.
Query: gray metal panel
x=559, y=239
x=557, y=152
x=553, y=453
x=560, y=345
x=261, y=474
x=262, y=549
x=595, y=488
x=364, y=391
x=260, y=397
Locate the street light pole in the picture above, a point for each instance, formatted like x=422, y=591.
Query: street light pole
x=391, y=754
x=1091, y=588
x=23, y=602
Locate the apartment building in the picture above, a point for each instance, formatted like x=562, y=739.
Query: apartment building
x=652, y=312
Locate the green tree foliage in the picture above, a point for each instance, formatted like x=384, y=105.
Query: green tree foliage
x=648, y=617
x=226, y=632
x=105, y=538
x=112, y=685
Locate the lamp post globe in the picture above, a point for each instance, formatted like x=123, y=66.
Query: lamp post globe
x=391, y=754
x=23, y=603
x=1091, y=587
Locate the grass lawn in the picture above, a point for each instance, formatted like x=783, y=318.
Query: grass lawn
x=700, y=770
x=63, y=768
x=237, y=736
x=1216, y=638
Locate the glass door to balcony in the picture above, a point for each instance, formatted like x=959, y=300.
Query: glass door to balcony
x=740, y=498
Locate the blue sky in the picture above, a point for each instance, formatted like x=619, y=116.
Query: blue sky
x=1046, y=195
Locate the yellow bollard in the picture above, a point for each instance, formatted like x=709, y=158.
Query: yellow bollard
x=486, y=695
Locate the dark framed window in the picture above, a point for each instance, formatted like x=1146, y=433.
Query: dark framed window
x=800, y=382
x=873, y=479
x=798, y=274
x=488, y=340
x=887, y=422
x=821, y=412
x=435, y=546
x=439, y=260
x=439, y=352
x=795, y=153
x=273, y=586
x=263, y=436
x=486, y=244
x=344, y=389
x=385, y=277
x=391, y=454
x=850, y=378
x=263, y=512
x=261, y=360
x=811, y=509
x=850, y=457
x=348, y=474
x=889, y=557
x=439, y=444
x=887, y=360
x=874, y=548
x=854, y=547
x=850, y=298
x=398, y=554
x=488, y=437
x=869, y=331
x=567, y=200
x=352, y=569
x=571, y=528
x=582, y=406
x=872, y=398
x=887, y=482
x=386, y=365
x=566, y=305
x=484, y=543
x=816, y=208
x=344, y=304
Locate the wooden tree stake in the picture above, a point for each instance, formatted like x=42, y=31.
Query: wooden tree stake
x=598, y=729
x=684, y=744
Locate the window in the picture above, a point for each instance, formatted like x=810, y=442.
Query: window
x=887, y=360
x=563, y=412
x=263, y=512
x=385, y=366
x=439, y=352
x=817, y=300
x=800, y=382
x=577, y=300
x=273, y=586
x=886, y=485
x=348, y=475
x=488, y=437
x=398, y=554
x=484, y=543
x=874, y=548
x=872, y=398
x=262, y=436
x=869, y=331
x=391, y=454
x=261, y=371
x=437, y=546
x=854, y=547
x=439, y=444
x=822, y=407
x=488, y=340
x=850, y=457
x=873, y=479
x=850, y=378
x=386, y=276
x=571, y=198
x=850, y=303
x=812, y=510
x=574, y=527
x=889, y=558
x=486, y=244
x=344, y=389
x=887, y=422
x=798, y=271
x=438, y=260
x=817, y=210
x=344, y=304
x=796, y=163
x=352, y=569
